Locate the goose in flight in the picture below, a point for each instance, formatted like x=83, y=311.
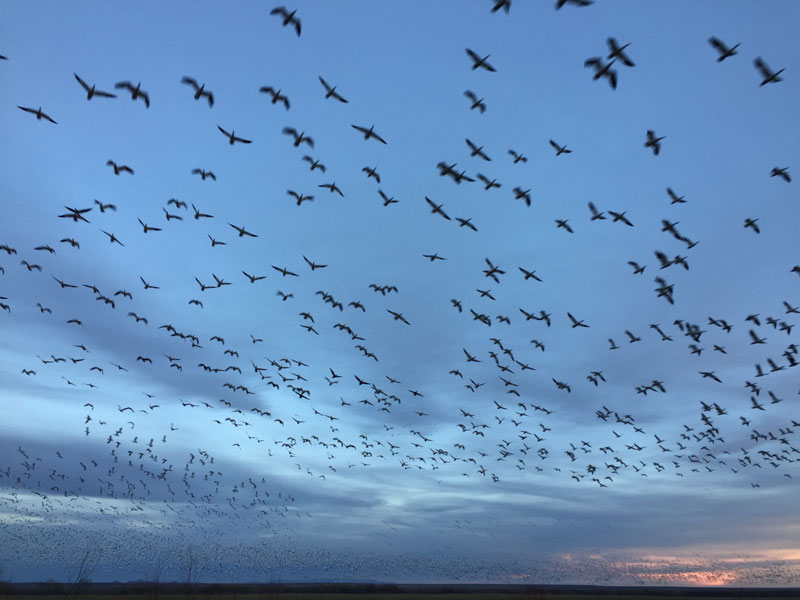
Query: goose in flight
x=517, y=156
x=199, y=90
x=38, y=112
x=618, y=52
x=203, y=174
x=91, y=92
x=560, y=149
x=288, y=18
x=135, y=91
x=276, y=95
x=782, y=173
x=477, y=61
x=369, y=133
x=299, y=138
x=476, y=102
x=653, y=141
x=477, y=150
x=769, y=76
x=602, y=70
x=436, y=208
x=242, y=231
x=330, y=91
x=118, y=168
x=722, y=48
x=232, y=137
x=578, y=3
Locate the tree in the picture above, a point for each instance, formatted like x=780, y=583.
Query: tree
x=80, y=572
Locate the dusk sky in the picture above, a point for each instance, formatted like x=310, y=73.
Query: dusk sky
x=540, y=329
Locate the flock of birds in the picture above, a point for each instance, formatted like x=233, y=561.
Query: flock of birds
x=503, y=433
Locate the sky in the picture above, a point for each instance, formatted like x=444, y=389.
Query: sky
x=467, y=390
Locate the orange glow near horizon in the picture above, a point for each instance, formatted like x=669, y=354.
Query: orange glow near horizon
x=695, y=578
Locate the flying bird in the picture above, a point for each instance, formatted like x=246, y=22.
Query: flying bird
x=38, y=113
x=330, y=91
x=136, y=91
x=768, y=75
x=200, y=91
x=722, y=48
x=288, y=18
x=618, y=52
x=232, y=137
x=91, y=92
x=477, y=61
x=368, y=133
x=653, y=141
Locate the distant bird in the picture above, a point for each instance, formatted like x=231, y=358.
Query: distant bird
x=751, y=223
x=104, y=207
x=368, y=133
x=520, y=194
x=299, y=138
x=330, y=91
x=39, y=114
x=242, y=231
x=436, y=208
x=782, y=173
x=560, y=149
x=299, y=197
x=287, y=17
x=477, y=61
x=203, y=174
x=675, y=198
x=91, y=92
x=477, y=150
x=314, y=164
x=768, y=75
x=504, y=4
x=276, y=95
x=562, y=223
x=386, y=199
x=602, y=70
x=135, y=91
x=488, y=184
x=476, y=102
x=618, y=52
x=596, y=215
x=518, y=157
x=724, y=50
x=314, y=266
x=232, y=137
x=637, y=269
x=332, y=187
x=119, y=168
x=653, y=142
x=199, y=90
x=578, y=3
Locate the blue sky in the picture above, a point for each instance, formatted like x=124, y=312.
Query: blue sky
x=514, y=479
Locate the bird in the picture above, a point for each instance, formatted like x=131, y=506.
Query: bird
x=675, y=198
x=91, y=92
x=504, y=4
x=368, y=133
x=232, y=137
x=203, y=174
x=332, y=187
x=288, y=18
x=477, y=103
x=276, y=95
x=560, y=149
x=200, y=91
x=782, y=173
x=618, y=52
x=314, y=266
x=436, y=208
x=136, y=91
x=596, y=215
x=477, y=150
x=768, y=75
x=119, y=168
x=562, y=223
x=398, y=316
x=602, y=70
x=477, y=61
x=578, y=3
x=242, y=231
x=299, y=197
x=722, y=48
x=38, y=113
x=751, y=223
x=299, y=138
x=330, y=91
x=576, y=322
x=518, y=157
x=653, y=142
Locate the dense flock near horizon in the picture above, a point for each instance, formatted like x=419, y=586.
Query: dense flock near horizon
x=218, y=354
